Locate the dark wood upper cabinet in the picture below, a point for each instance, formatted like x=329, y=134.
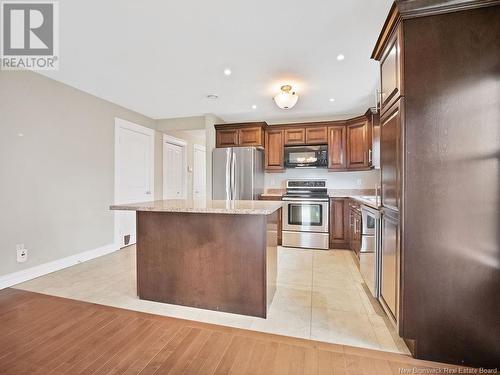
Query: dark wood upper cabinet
x=390, y=71
x=251, y=136
x=227, y=138
x=339, y=223
x=358, y=144
x=295, y=136
x=337, y=147
x=240, y=135
x=274, y=150
x=349, y=142
x=391, y=155
x=316, y=135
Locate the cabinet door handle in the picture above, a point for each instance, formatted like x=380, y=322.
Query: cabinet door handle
x=379, y=97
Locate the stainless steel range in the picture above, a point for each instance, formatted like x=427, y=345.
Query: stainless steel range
x=305, y=214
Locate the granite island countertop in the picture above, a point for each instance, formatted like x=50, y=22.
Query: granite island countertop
x=203, y=206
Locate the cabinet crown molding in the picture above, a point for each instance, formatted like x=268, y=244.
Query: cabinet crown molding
x=406, y=9
x=241, y=125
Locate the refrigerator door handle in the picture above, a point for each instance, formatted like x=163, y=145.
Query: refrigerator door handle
x=228, y=173
x=233, y=175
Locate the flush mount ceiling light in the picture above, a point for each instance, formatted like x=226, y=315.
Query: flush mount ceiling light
x=227, y=72
x=287, y=98
x=340, y=57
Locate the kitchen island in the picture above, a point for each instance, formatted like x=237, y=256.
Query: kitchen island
x=217, y=255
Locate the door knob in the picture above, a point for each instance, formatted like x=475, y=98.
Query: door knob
x=148, y=192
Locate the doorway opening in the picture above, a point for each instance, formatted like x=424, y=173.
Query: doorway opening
x=174, y=168
x=184, y=164
x=134, y=175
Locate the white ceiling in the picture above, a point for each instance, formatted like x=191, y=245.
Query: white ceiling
x=161, y=58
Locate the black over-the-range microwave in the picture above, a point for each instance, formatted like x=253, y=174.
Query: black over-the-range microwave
x=306, y=156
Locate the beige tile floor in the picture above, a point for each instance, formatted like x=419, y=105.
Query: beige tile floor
x=320, y=296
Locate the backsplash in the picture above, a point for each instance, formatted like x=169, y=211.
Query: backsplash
x=335, y=180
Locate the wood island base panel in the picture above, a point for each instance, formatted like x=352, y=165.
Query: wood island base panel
x=222, y=262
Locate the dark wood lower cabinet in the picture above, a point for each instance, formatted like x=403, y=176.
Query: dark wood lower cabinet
x=354, y=226
x=390, y=263
x=339, y=223
x=221, y=262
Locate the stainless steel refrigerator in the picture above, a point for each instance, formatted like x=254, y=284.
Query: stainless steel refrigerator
x=237, y=173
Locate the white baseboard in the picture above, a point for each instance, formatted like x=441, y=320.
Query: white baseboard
x=56, y=265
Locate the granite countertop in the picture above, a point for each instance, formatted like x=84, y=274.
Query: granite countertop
x=274, y=193
x=203, y=206
x=371, y=201
x=363, y=196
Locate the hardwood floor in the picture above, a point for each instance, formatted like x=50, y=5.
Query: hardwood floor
x=320, y=295
x=41, y=334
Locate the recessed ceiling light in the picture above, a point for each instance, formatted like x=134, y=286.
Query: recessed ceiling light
x=254, y=106
x=227, y=71
x=212, y=96
x=340, y=57
x=20, y=135
x=331, y=99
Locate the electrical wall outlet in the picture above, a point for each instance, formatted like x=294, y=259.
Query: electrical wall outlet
x=22, y=253
x=359, y=182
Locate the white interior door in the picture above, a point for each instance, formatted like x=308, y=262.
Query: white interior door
x=134, y=174
x=174, y=168
x=199, y=172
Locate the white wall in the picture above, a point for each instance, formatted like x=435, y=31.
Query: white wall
x=57, y=180
x=335, y=180
x=210, y=121
x=313, y=119
x=181, y=123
